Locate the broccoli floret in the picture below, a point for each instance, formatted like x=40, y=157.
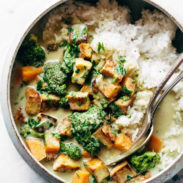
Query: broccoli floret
x=64, y=102
x=144, y=161
x=72, y=150
x=115, y=110
x=86, y=123
x=31, y=53
x=55, y=78
x=26, y=130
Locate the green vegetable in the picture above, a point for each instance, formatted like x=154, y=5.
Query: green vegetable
x=55, y=78
x=72, y=150
x=26, y=130
x=120, y=69
x=145, y=161
x=31, y=53
x=84, y=124
x=57, y=135
x=64, y=102
x=115, y=110
x=100, y=47
x=126, y=91
x=122, y=59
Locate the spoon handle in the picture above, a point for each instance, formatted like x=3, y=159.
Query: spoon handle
x=163, y=83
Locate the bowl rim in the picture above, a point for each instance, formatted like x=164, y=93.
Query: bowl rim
x=17, y=140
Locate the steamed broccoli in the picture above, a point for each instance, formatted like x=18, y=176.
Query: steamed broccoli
x=31, y=53
x=86, y=123
x=144, y=161
x=115, y=110
x=64, y=102
x=55, y=78
x=72, y=150
x=26, y=130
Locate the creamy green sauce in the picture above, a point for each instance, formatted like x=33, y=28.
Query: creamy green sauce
x=163, y=120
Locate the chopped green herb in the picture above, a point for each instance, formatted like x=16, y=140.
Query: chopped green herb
x=126, y=91
x=120, y=69
x=100, y=47
x=122, y=59
x=22, y=97
x=63, y=44
x=129, y=177
x=77, y=70
x=57, y=135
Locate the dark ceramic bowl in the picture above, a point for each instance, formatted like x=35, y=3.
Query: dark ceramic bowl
x=36, y=24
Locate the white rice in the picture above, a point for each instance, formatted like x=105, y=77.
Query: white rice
x=147, y=47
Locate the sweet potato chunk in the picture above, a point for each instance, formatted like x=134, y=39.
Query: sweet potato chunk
x=129, y=84
x=64, y=127
x=140, y=178
x=123, y=103
x=29, y=73
x=33, y=103
x=85, y=51
x=37, y=148
x=52, y=143
x=109, y=70
x=155, y=144
x=79, y=101
x=97, y=168
x=105, y=135
x=123, y=142
x=80, y=176
x=65, y=163
x=120, y=172
x=86, y=154
x=81, y=71
x=106, y=87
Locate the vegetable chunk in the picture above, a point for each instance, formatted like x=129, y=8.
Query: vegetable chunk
x=155, y=144
x=78, y=33
x=79, y=101
x=106, y=87
x=64, y=127
x=123, y=142
x=29, y=73
x=52, y=143
x=33, y=101
x=105, y=135
x=97, y=168
x=85, y=51
x=81, y=71
x=64, y=163
x=120, y=172
x=109, y=70
x=37, y=148
x=80, y=176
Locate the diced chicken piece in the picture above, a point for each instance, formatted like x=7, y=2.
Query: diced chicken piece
x=106, y=87
x=64, y=163
x=64, y=127
x=46, y=121
x=85, y=51
x=123, y=142
x=80, y=176
x=37, y=148
x=123, y=103
x=140, y=178
x=52, y=144
x=19, y=116
x=120, y=172
x=129, y=84
x=87, y=88
x=79, y=101
x=109, y=69
x=105, y=135
x=81, y=71
x=33, y=101
x=78, y=33
x=97, y=168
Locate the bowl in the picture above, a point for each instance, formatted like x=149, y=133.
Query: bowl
x=34, y=26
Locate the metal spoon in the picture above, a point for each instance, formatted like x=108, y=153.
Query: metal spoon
x=147, y=127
